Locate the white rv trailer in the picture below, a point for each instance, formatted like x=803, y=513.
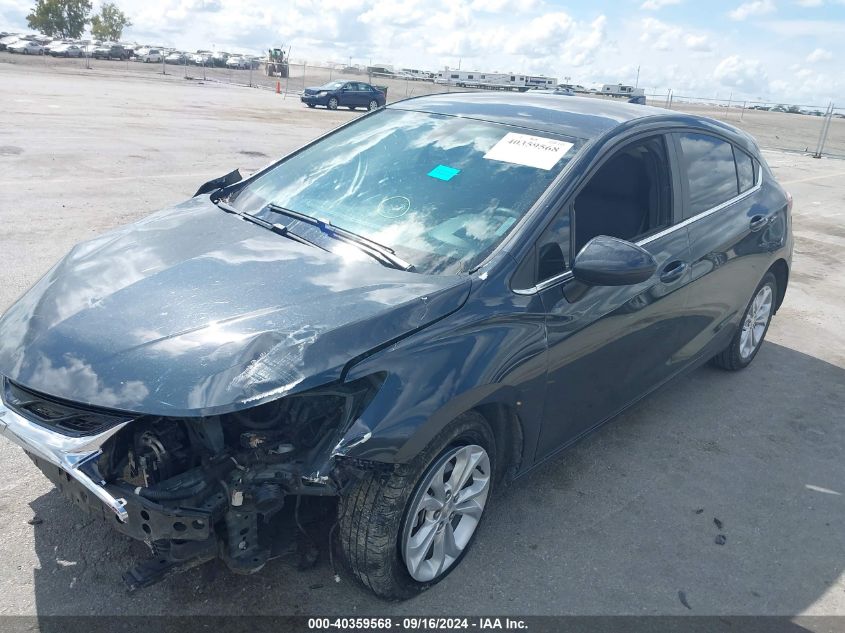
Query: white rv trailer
x=493, y=81
x=621, y=90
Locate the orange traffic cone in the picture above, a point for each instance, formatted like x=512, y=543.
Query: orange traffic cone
x=278, y=87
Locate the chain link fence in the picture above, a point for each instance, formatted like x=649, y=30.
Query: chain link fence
x=813, y=129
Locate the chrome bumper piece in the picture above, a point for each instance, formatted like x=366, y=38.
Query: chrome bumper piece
x=74, y=455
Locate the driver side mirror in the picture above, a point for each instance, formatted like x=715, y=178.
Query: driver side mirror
x=609, y=261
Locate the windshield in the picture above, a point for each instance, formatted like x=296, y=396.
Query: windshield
x=440, y=190
x=332, y=85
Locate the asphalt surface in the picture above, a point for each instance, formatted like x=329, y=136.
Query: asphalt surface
x=623, y=523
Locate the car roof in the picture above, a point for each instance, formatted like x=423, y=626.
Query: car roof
x=579, y=117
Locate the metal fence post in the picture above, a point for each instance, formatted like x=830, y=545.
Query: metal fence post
x=163, y=67
x=742, y=112
x=824, y=131
x=250, y=73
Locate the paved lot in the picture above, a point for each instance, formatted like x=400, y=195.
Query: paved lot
x=776, y=130
x=618, y=525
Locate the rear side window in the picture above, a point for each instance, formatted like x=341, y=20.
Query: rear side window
x=744, y=170
x=710, y=169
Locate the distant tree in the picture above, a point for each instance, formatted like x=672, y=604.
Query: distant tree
x=60, y=18
x=110, y=22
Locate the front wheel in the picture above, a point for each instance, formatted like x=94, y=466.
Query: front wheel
x=402, y=532
x=373, y=105
x=332, y=104
x=752, y=330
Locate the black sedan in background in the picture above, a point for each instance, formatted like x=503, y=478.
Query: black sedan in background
x=433, y=298
x=348, y=94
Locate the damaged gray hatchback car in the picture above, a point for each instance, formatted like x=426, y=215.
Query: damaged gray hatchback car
x=437, y=296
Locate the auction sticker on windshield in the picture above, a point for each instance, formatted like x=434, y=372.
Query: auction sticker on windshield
x=531, y=151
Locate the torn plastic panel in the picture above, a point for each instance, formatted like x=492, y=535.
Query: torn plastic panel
x=194, y=486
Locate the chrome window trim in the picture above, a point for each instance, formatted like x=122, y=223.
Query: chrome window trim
x=565, y=276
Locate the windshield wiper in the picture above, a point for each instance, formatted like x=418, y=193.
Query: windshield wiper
x=279, y=229
x=383, y=253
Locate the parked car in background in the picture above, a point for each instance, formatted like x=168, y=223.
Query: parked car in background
x=66, y=50
x=153, y=55
x=8, y=40
x=51, y=46
x=201, y=58
x=175, y=58
x=242, y=62
x=110, y=51
x=426, y=302
x=347, y=94
x=26, y=47
x=219, y=58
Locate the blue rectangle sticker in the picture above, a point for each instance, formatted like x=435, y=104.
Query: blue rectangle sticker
x=442, y=172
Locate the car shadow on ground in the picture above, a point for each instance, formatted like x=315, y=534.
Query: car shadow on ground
x=722, y=493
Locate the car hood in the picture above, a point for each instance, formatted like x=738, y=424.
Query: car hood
x=194, y=311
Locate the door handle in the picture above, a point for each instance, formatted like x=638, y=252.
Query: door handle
x=673, y=271
x=758, y=222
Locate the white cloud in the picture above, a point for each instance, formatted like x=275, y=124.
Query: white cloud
x=656, y=5
x=819, y=55
x=754, y=8
x=498, y=6
x=809, y=3
x=747, y=75
x=669, y=37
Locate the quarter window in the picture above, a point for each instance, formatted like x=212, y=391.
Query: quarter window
x=744, y=170
x=710, y=170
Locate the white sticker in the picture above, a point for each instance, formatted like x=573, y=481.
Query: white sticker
x=531, y=151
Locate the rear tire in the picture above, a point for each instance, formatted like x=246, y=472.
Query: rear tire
x=373, y=105
x=381, y=512
x=752, y=329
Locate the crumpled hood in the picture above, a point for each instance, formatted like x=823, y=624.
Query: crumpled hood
x=194, y=311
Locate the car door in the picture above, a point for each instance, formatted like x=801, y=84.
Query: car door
x=609, y=346
x=346, y=94
x=362, y=95
x=728, y=228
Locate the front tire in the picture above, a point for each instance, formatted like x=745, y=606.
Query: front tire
x=332, y=103
x=752, y=329
x=403, y=531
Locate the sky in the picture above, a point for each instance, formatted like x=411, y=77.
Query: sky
x=788, y=51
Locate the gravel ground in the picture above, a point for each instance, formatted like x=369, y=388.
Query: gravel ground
x=776, y=130
x=624, y=523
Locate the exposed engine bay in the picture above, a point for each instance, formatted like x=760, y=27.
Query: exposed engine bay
x=196, y=489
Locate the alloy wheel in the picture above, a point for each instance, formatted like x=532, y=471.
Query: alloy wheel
x=445, y=511
x=755, y=321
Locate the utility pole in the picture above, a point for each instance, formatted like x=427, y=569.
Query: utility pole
x=637, y=83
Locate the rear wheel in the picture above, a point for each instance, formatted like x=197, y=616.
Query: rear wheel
x=372, y=105
x=404, y=531
x=752, y=330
